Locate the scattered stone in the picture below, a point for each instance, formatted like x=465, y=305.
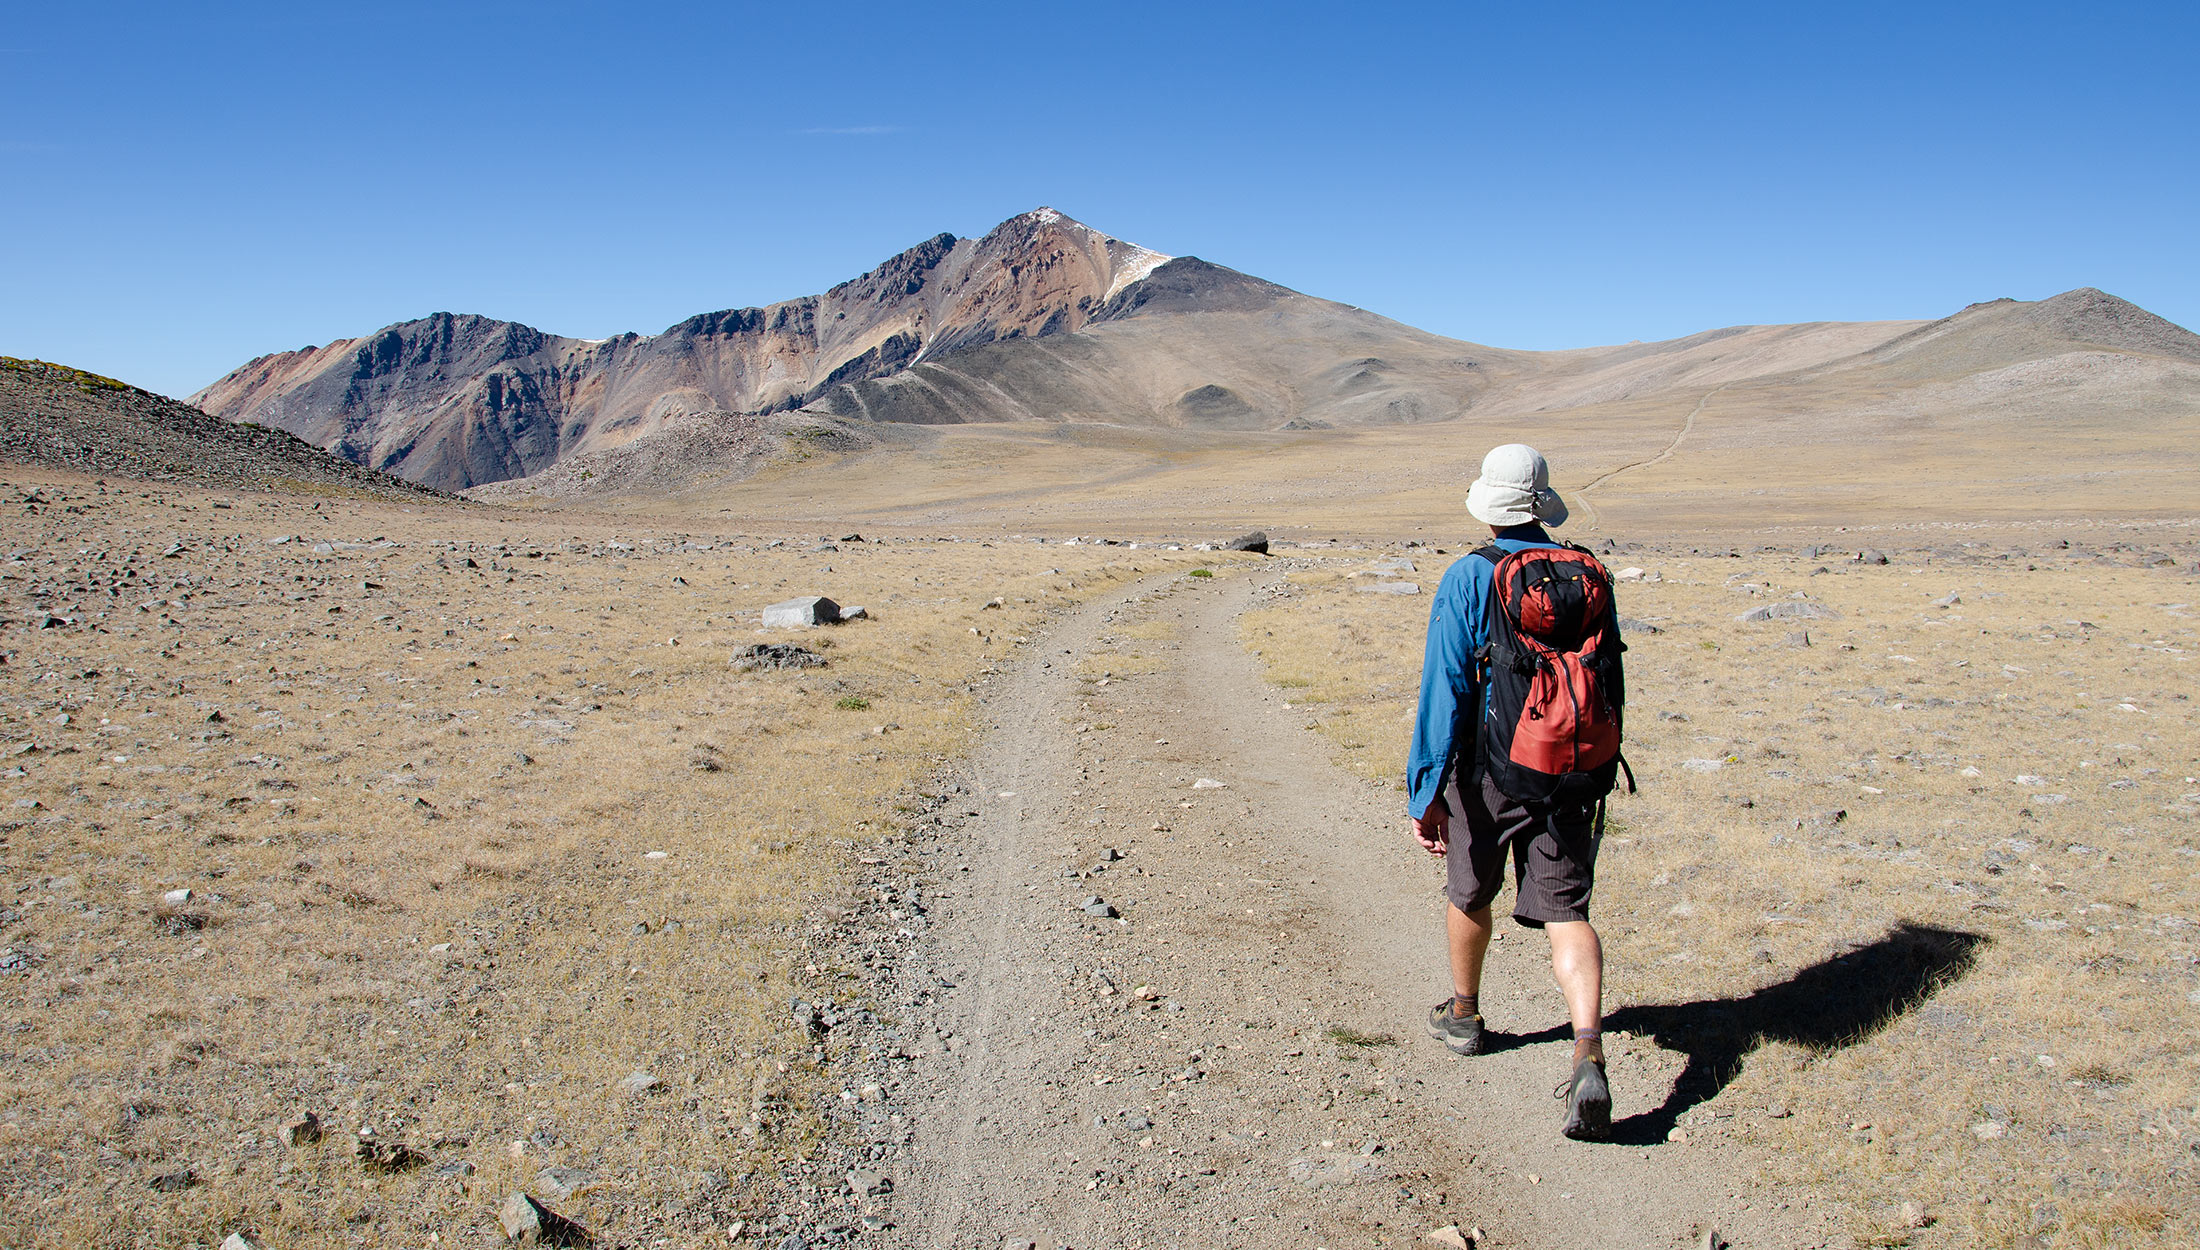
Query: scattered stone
x=176, y=898
x=1390, y=588
x=1448, y=1235
x=1138, y=1124
x=1791, y=610
x=388, y=1156
x=1625, y=575
x=1098, y=908
x=1257, y=542
x=302, y=1130
x=1948, y=600
x=865, y=1183
x=1208, y=783
x=854, y=612
x=1871, y=555
x=1628, y=625
x=238, y=1241
x=775, y=656
x=639, y=1082
x=808, y=610
x=1989, y=1130
x=1913, y=1216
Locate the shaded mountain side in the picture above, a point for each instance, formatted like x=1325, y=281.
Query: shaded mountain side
x=457, y=400
x=690, y=450
x=63, y=418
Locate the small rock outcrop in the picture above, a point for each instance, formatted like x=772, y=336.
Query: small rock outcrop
x=807, y=610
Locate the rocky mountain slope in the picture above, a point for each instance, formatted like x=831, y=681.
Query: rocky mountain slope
x=60, y=417
x=1047, y=320
x=457, y=400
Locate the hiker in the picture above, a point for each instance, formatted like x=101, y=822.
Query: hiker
x=1480, y=793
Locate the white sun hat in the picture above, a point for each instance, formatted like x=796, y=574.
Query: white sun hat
x=1515, y=489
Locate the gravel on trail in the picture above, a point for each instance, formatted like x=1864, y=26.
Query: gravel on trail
x=1231, y=1049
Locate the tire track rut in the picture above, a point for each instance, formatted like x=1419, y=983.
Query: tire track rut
x=1273, y=1084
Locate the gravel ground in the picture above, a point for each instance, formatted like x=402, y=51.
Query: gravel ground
x=1090, y=999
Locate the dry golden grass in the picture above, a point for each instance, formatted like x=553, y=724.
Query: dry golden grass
x=2017, y=766
x=475, y=825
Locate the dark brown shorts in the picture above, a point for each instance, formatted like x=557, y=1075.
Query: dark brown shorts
x=1554, y=855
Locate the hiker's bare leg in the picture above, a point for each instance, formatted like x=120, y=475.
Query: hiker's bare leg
x=1470, y=943
x=1577, y=960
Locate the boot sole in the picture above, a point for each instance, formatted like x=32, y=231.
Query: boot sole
x=1589, y=1110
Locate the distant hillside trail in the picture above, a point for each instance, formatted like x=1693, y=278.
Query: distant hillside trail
x=1276, y=1085
x=1581, y=493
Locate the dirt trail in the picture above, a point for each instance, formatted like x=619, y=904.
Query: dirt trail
x=1277, y=1087
x=1581, y=494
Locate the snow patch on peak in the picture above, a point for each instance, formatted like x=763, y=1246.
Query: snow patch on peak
x=1132, y=265
x=1045, y=216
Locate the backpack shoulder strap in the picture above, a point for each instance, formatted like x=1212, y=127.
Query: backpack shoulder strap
x=1490, y=552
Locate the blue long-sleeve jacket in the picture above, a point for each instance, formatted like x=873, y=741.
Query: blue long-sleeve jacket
x=1451, y=693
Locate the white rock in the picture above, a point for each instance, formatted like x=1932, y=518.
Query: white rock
x=176, y=898
x=1628, y=575
x=808, y=610
x=1207, y=783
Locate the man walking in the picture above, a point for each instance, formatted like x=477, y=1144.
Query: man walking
x=1460, y=813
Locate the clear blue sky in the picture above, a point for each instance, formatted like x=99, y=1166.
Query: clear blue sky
x=183, y=187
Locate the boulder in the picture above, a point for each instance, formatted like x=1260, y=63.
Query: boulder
x=1257, y=541
x=808, y=610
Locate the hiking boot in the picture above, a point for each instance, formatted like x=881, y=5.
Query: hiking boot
x=1588, y=1102
x=1461, y=1035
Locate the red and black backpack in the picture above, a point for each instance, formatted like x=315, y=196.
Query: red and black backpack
x=1550, y=731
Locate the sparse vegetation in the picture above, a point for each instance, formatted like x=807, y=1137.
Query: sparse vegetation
x=417, y=793
x=2016, y=766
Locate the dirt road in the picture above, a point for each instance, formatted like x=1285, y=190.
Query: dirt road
x=1239, y=1058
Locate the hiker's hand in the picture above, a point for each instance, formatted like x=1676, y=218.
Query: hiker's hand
x=1432, y=829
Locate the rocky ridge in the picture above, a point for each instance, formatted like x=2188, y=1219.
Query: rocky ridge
x=457, y=400
x=64, y=418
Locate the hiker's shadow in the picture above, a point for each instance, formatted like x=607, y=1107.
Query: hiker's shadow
x=1830, y=1005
